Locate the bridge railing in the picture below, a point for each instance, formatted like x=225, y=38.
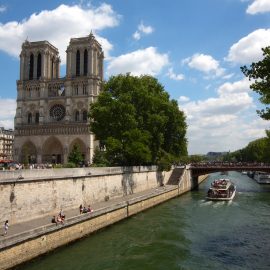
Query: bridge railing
x=229, y=165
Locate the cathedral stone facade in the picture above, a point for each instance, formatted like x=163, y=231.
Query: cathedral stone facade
x=52, y=112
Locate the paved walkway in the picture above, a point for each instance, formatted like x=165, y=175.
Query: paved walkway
x=39, y=222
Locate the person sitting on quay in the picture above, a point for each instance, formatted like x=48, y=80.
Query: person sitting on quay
x=89, y=209
x=58, y=220
x=84, y=210
x=81, y=209
x=62, y=215
x=54, y=220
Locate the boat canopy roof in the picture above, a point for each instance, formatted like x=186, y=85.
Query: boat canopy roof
x=220, y=184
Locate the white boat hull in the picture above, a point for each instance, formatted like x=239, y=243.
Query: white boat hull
x=222, y=199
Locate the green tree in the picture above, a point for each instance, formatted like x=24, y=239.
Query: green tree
x=99, y=158
x=75, y=155
x=137, y=123
x=256, y=151
x=260, y=72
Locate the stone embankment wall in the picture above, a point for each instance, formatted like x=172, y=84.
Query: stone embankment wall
x=45, y=192
x=19, y=248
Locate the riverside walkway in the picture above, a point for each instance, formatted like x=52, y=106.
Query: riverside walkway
x=20, y=231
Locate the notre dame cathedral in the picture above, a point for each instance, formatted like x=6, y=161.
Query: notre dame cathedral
x=52, y=112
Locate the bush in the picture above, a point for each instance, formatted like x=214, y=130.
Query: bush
x=57, y=166
x=69, y=165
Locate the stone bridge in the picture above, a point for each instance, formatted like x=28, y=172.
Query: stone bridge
x=207, y=168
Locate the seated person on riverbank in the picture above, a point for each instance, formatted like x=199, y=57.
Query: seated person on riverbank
x=62, y=215
x=87, y=210
x=60, y=219
x=54, y=219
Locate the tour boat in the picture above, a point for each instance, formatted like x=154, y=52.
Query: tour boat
x=221, y=190
x=262, y=177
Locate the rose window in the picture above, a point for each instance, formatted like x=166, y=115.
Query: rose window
x=57, y=112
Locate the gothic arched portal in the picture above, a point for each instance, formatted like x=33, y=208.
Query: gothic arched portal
x=81, y=146
x=28, y=153
x=52, y=151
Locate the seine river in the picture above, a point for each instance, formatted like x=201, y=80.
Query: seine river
x=184, y=233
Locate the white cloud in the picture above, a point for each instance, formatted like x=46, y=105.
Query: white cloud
x=248, y=48
x=145, y=29
x=222, y=105
x=174, y=76
x=137, y=35
x=235, y=87
x=7, y=113
x=146, y=61
x=220, y=123
x=183, y=99
x=3, y=8
x=204, y=63
x=258, y=6
x=58, y=26
x=142, y=30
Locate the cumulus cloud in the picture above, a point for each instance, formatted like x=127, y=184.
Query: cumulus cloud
x=234, y=87
x=222, y=105
x=204, y=63
x=248, y=48
x=258, y=6
x=145, y=61
x=142, y=30
x=136, y=35
x=219, y=123
x=3, y=8
x=174, y=76
x=183, y=99
x=7, y=113
x=58, y=26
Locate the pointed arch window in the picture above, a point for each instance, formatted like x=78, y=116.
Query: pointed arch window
x=84, y=116
x=85, y=62
x=78, y=63
x=77, y=116
x=52, y=67
x=31, y=67
x=29, y=118
x=39, y=66
x=37, y=118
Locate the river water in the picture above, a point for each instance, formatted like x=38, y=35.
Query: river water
x=184, y=233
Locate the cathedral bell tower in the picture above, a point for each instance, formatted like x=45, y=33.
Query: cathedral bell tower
x=39, y=60
x=85, y=58
x=52, y=112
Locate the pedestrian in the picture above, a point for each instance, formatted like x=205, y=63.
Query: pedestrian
x=61, y=214
x=6, y=225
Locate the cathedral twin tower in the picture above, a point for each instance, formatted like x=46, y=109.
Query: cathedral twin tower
x=52, y=112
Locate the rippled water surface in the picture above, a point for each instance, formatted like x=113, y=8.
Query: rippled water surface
x=184, y=233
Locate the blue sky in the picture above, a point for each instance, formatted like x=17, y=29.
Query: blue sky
x=194, y=48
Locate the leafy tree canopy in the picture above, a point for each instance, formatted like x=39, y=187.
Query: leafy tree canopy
x=260, y=72
x=256, y=151
x=75, y=155
x=137, y=123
